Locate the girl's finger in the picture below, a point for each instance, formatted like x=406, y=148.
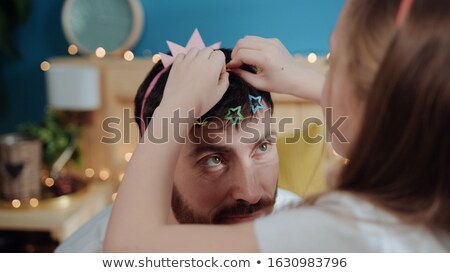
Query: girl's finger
x=218, y=59
x=248, y=43
x=253, y=79
x=223, y=84
x=205, y=53
x=193, y=52
x=178, y=59
x=246, y=56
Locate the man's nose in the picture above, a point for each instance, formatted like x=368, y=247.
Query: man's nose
x=245, y=186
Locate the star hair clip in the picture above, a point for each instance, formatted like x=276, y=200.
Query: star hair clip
x=256, y=103
x=234, y=115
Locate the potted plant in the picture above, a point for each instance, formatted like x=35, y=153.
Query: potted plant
x=59, y=137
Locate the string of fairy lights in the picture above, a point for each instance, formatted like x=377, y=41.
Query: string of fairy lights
x=129, y=56
x=101, y=53
x=49, y=182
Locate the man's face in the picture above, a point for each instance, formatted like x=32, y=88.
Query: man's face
x=226, y=174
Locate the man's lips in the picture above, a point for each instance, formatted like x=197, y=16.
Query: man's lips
x=235, y=219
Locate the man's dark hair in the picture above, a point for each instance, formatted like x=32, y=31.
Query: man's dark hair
x=237, y=94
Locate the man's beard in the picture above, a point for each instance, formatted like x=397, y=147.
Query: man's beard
x=185, y=214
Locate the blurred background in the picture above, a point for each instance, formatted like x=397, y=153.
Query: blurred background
x=66, y=66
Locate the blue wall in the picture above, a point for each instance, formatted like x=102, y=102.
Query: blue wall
x=302, y=25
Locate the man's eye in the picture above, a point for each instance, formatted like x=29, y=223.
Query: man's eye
x=263, y=147
x=213, y=161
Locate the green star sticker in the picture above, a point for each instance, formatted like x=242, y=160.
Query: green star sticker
x=234, y=115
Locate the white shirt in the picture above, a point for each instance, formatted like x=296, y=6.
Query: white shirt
x=340, y=222
x=89, y=237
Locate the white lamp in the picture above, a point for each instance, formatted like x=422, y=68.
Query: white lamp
x=73, y=87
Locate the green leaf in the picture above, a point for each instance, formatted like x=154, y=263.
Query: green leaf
x=56, y=134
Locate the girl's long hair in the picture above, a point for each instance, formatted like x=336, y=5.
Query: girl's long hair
x=401, y=158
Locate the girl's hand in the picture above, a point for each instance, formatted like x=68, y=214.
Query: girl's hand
x=277, y=71
x=276, y=68
x=197, y=81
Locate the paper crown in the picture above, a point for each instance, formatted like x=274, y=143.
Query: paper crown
x=195, y=41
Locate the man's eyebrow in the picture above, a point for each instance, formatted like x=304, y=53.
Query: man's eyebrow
x=214, y=148
x=269, y=135
x=205, y=147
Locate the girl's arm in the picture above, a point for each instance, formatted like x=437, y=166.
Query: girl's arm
x=139, y=221
x=277, y=70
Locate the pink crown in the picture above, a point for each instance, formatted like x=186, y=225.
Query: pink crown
x=195, y=41
x=175, y=49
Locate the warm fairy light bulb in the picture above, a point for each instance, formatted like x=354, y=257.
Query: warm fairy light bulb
x=34, y=202
x=89, y=172
x=156, y=58
x=312, y=57
x=49, y=182
x=121, y=177
x=128, y=56
x=100, y=52
x=328, y=56
x=72, y=49
x=16, y=203
x=114, y=196
x=45, y=66
x=104, y=175
x=128, y=156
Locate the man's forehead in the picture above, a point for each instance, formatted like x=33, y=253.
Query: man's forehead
x=249, y=131
x=219, y=126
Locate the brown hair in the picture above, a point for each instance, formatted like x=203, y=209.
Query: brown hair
x=369, y=33
x=401, y=158
x=237, y=94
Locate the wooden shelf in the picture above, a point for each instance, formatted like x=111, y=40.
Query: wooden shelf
x=62, y=216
